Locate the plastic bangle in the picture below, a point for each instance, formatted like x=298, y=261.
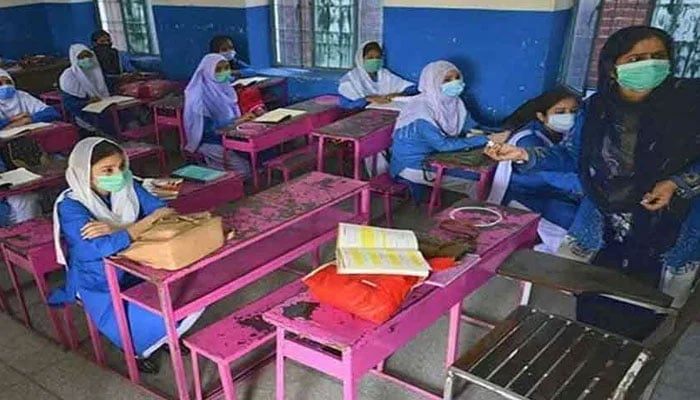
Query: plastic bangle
x=499, y=216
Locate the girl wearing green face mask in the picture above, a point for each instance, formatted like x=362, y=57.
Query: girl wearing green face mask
x=100, y=215
x=369, y=82
x=638, y=159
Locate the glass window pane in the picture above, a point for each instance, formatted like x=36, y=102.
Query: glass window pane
x=681, y=18
x=334, y=33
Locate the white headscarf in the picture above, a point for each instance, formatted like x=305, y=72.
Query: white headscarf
x=445, y=112
x=83, y=83
x=22, y=102
x=357, y=84
x=125, y=203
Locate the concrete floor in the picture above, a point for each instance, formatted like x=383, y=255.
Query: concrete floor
x=32, y=367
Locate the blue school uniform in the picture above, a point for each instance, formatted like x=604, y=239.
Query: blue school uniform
x=48, y=114
x=362, y=103
x=86, y=276
x=553, y=194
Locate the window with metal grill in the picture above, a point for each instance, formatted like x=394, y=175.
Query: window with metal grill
x=130, y=23
x=323, y=33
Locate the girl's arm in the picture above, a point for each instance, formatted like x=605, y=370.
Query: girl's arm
x=688, y=182
x=441, y=143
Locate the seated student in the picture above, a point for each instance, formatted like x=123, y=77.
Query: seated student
x=210, y=104
x=114, y=63
x=369, y=82
x=250, y=99
x=433, y=122
x=81, y=84
x=100, y=214
x=19, y=108
x=541, y=122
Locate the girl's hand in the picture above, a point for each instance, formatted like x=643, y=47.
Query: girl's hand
x=95, y=229
x=246, y=117
x=20, y=122
x=379, y=99
x=161, y=213
x=506, y=152
x=499, y=137
x=660, y=196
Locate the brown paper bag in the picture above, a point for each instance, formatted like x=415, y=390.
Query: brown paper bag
x=176, y=241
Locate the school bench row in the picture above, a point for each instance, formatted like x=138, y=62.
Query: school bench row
x=530, y=353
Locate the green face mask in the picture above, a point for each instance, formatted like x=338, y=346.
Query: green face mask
x=115, y=182
x=86, y=63
x=223, y=76
x=373, y=65
x=642, y=76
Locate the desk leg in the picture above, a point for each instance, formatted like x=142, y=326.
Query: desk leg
x=279, y=366
x=453, y=334
x=115, y=121
x=319, y=154
x=366, y=203
x=482, y=187
x=435, y=193
x=357, y=172
x=122, y=323
x=254, y=168
x=166, y=304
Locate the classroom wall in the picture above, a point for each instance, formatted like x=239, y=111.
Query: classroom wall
x=44, y=26
x=508, y=50
x=184, y=28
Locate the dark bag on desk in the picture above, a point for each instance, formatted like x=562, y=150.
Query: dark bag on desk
x=25, y=152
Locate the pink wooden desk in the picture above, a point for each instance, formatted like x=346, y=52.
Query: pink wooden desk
x=369, y=131
x=58, y=138
x=273, y=228
x=196, y=197
x=483, y=184
x=52, y=175
x=275, y=92
x=135, y=133
x=255, y=137
x=345, y=347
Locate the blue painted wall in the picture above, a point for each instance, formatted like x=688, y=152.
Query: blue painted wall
x=506, y=56
x=45, y=28
x=184, y=34
x=23, y=30
x=70, y=23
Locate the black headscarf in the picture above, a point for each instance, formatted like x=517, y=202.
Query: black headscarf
x=215, y=46
x=629, y=147
x=107, y=56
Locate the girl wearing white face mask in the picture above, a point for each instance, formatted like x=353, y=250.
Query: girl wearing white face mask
x=544, y=121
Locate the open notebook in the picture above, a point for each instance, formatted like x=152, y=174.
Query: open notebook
x=279, y=115
x=17, y=177
x=369, y=250
x=103, y=104
x=397, y=104
x=12, y=132
x=198, y=174
x=245, y=82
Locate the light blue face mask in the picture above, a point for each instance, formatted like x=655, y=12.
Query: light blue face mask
x=7, y=92
x=115, y=182
x=86, y=63
x=229, y=55
x=223, y=76
x=453, y=88
x=561, y=123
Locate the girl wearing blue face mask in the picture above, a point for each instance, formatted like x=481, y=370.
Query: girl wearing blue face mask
x=637, y=155
x=100, y=215
x=544, y=121
x=435, y=121
x=211, y=104
x=224, y=45
x=369, y=82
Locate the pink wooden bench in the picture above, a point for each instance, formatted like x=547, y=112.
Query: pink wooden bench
x=29, y=247
x=387, y=188
x=55, y=99
x=167, y=114
x=273, y=228
x=235, y=336
x=140, y=151
x=369, y=133
x=343, y=346
x=254, y=137
x=301, y=159
x=196, y=197
x=483, y=184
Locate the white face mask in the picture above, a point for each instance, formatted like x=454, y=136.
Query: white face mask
x=229, y=55
x=561, y=123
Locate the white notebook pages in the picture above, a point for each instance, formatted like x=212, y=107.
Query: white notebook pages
x=18, y=177
x=279, y=115
x=12, y=132
x=370, y=250
x=103, y=104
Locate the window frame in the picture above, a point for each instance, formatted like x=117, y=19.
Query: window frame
x=149, y=22
x=277, y=62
